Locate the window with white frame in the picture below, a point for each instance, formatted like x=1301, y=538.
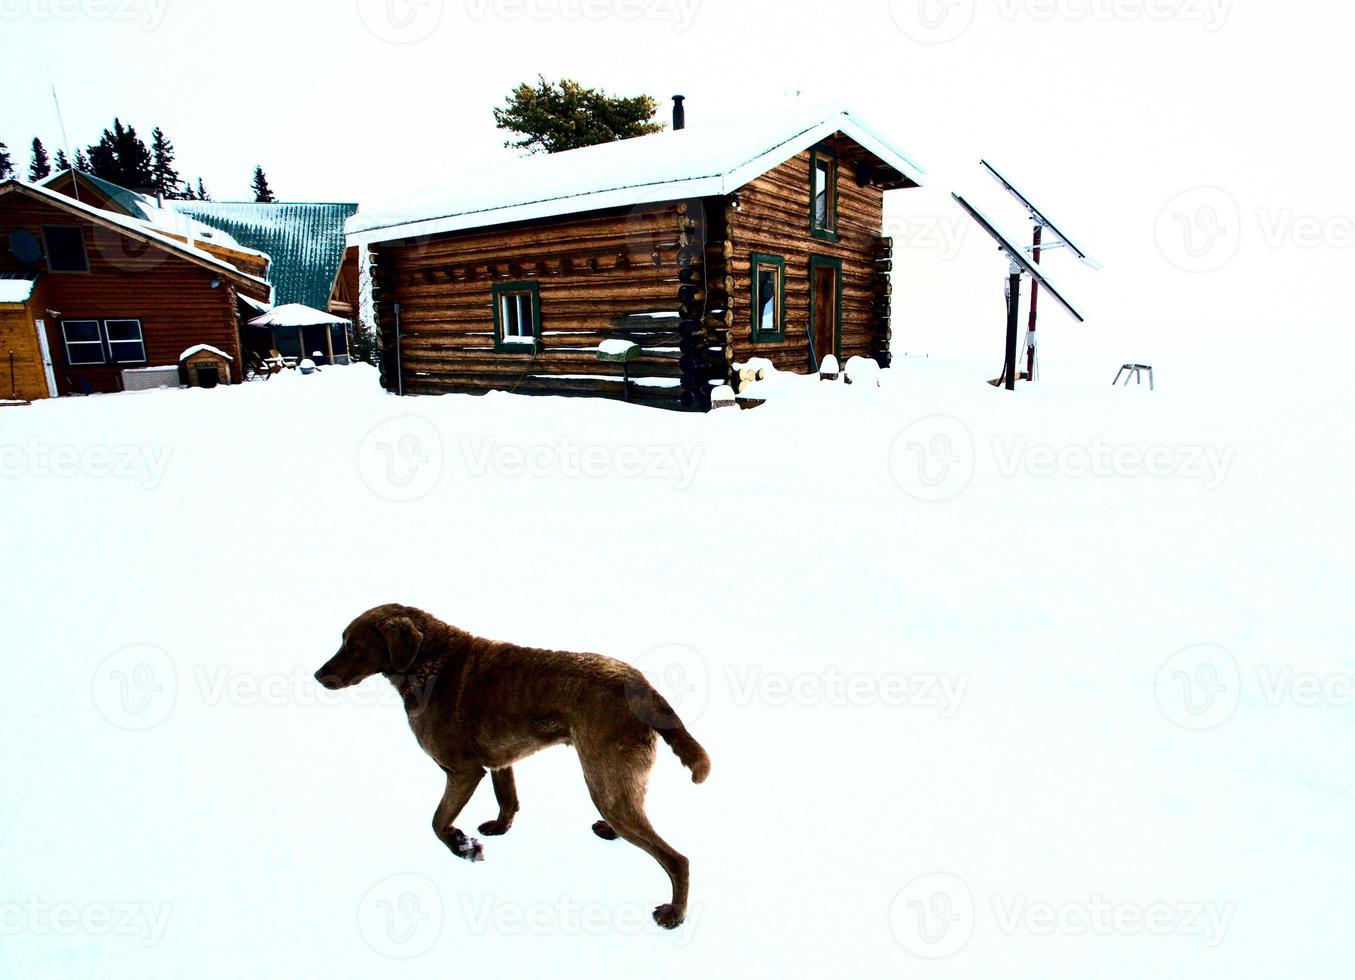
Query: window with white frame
x=84, y=341
x=517, y=314
x=125, y=342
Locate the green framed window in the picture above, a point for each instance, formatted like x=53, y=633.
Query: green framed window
x=517, y=317
x=823, y=175
x=768, y=297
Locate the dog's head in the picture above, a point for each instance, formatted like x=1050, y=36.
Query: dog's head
x=384, y=640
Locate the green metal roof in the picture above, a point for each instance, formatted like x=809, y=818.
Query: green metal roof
x=305, y=242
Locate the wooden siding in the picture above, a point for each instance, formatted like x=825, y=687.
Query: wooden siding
x=773, y=218
x=21, y=371
x=170, y=295
x=594, y=272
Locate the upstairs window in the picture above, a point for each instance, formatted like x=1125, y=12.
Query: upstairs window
x=517, y=316
x=823, y=194
x=65, y=249
x=769, y=297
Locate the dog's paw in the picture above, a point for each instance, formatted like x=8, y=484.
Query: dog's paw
x=465, y=847
x=495, y=828
x=604, y=830
x=668, y=917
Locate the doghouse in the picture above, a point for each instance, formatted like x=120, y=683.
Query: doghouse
x=204, y=366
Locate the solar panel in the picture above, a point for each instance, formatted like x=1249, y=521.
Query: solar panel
x=1018, y=256
x=1038, y=215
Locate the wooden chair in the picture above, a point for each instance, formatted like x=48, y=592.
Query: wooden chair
x=275, y=357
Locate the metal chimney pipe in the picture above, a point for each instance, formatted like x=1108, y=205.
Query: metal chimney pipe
x=679, y=112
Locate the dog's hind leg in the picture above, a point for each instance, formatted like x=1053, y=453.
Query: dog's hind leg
x=506, y=792
x=604, y=830
x=616, y=782
x=461, y=785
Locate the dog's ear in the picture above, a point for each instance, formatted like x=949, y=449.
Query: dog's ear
x=403, y=640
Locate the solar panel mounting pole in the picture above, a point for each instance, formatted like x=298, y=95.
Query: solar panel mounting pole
x=1013, y=318
x=1034, y=305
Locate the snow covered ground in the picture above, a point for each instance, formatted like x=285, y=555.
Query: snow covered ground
x=1054, y=685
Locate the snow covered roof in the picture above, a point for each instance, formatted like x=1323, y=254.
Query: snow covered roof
x=199, y=348
x=305, y=241
x=144, y=207
x=133, y=226
x=295, y=315
x=710, y=160
x=16, y=290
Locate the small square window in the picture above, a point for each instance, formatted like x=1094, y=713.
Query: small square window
x=65, y=249
x=517, y=314
x=84, y=342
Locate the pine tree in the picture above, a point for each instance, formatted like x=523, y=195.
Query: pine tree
x=6, y=167
x=62, y=163
x=551, y=117
x=41, y=167
x=263, y=194
x=122, y=158
x=82, y=161
x=164, y=178
x=202, y=194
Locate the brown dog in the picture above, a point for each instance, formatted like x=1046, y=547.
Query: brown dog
x=477, y=704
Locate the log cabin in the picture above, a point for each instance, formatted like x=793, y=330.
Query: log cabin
x=703, y=247
x=92, y=293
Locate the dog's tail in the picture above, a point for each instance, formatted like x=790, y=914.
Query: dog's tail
x=664, y=720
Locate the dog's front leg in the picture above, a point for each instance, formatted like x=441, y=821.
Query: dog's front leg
x=506, y=792
x=461, y=785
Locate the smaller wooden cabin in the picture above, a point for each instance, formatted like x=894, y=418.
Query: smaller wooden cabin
x=704, y=246
x=106, y=292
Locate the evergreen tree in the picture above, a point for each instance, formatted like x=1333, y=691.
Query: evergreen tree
x=41, y=166
x=263, y=194
x=6, y=167
x=61, y=162
x=551, y=117
x=164, y=178
x=81, y=161
x=122, y=158
x=202, y=194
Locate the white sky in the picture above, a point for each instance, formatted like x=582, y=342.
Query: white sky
x=1103, y=110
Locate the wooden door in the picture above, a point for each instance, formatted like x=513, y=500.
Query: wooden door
x=823, y=316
